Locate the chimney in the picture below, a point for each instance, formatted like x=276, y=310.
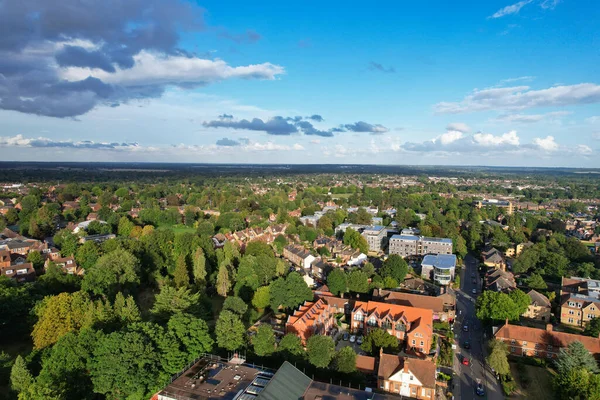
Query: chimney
x=549, y=327
x=381, y=352
x=405, y=369
x=506, y=322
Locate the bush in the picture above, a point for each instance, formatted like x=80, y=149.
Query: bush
x=508, y=387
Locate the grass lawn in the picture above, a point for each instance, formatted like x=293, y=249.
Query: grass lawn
x=341, y=196
x=539, y=385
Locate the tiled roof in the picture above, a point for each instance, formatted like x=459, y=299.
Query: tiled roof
x=418, y=316
x=436, y=304
x=365, y=363
x=423, y=370
x=538, y=299
x=547, y=337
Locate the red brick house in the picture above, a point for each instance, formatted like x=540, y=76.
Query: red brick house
x=412, y=325
x=409, y=377
x=542, y=343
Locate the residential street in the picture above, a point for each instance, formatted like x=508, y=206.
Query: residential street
x=477, y=369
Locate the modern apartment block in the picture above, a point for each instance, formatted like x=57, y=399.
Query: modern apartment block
x=410, y=245
x=375, y=236
x=439, y=267
x=507, y=205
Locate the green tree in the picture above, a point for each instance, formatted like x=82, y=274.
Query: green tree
x=345, y=360
x=521, y=300
x=223, y=282
x=337, y=282
x=575, y=356
x=117, y=271
x=229, y=331
x=126, y=310
x=535, y=281
x=171, y=301
x=496, y=306
x=200, y=271
x=291, y=345
x=20, y=377
x=87, y=255
x=257, y=247
x=192, y=333
x=592, y=328
x=321, y=350
x=358, y=281
x=236, y=305
x=280, y=242
x=261, y=298
x=59, y=315
x=125, y=227
x=497, y=358
x=67, y=242
x=126, y=365
x=394, y=267
x=264, y=341
x=181, y=277
x=369, y=269
x=36, y=258
x=377, y=339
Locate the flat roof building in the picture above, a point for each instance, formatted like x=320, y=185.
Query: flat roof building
x=374, y=236
x=411, y=245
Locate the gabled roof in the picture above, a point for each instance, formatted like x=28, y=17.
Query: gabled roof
x=435, y=304
x=547, y=337
x=423, y=317
x=538, y=299
x=423, y=370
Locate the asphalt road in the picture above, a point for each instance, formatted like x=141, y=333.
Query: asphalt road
x=477, y=369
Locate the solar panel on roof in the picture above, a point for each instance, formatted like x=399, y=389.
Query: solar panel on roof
x=260, y=382
x=246, y=396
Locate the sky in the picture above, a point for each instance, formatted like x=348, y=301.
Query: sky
x=498, y=82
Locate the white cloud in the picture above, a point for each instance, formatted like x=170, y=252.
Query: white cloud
x=584, y=149
x=156, y=69
x=546, y=144
x=315, y=141
x=593, y=120
x=531, y=118
x=522, y=97
x=448, y=137
x=489, y=140
x=298, y=146
x=458, y=126
x=511, y=9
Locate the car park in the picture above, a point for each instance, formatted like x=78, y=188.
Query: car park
x=352, y=339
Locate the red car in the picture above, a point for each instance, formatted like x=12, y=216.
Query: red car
x=465, y=361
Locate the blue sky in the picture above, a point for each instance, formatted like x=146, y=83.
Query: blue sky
x=436, y=82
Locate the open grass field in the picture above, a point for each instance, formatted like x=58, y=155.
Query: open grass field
x=536, y=383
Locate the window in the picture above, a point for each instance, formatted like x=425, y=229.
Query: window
x=21, y=272
x=548, y=355
x=9, y=271
x=359, y=317
x=536, y=353
x=592, y=308
x=411, y=377
x=513, y=341
x=414, y=342
x=524, y=343
x=422, y=343
x=512, y=349
x=571, y=312
x=549, y=347
x=570, y=320
x=571, y=304
x=372, y=321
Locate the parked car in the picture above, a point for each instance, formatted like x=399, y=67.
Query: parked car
x=467, y=344
x=474, y=281
x=359, y=340
x=474, y=291
x=465, y=361
x=466, y=328
x=352, y=339
x=346, y=336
